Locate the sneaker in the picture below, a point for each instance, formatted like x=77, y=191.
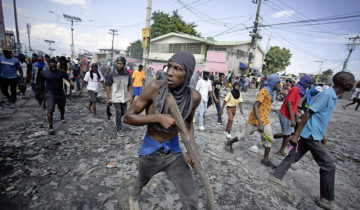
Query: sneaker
x=219, y=123
x=120, y=134
x=51, y=131
x=134, y=204
x=268, y=163
x=201, y=128
x=325, y=204
x=274, y=180
x=12, y=106
x=228, y=147
x=228, y=136
x=63, y=121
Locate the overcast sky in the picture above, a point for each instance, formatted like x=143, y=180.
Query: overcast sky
x=222, y=19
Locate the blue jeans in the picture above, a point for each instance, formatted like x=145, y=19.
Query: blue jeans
x=201, y=112
x=218, y=109
x=77, y=83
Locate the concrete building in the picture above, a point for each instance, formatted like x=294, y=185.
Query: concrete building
x=216, y=56
x=104, y=55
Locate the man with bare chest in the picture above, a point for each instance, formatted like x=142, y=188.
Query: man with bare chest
x=160, y=151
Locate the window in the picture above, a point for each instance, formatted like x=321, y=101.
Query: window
x=174, y=48
x=194, y=48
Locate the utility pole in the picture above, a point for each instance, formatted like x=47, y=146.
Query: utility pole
x=28, y=29
x=50, y=49
x=146, y=35
x=18, y=46
x=72, y=19
x=254, y=35
x=351, y=47
x=317, y=78
x=113, y=33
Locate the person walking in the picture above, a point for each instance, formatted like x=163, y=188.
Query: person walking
x=311, y=131
x=355, y=97
x=93, y=78
x=54, y=92
x=119, y=87
x=9, y=66
x=204, y=87
x=216, y=87
x=259, y=118
x=160, y=150
x=287, y=113
x=138, y=77
x=232, y=99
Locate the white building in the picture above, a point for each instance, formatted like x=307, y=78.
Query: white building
x=216, y=56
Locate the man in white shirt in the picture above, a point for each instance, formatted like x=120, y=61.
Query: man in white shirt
x=93, y=78
x=204, y=87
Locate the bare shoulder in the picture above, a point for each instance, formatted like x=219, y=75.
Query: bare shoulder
x=196, y=96
x=154, y=86
x=151, y=89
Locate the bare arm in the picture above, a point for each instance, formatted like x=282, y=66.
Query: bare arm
x=292, y=117
x=257, y=115
x=216, y=100
x=305, y=118
x=108, y=90
x=240, y=107
x=21, y=72
x=132, y=116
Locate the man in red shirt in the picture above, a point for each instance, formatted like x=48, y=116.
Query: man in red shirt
x=288, y=110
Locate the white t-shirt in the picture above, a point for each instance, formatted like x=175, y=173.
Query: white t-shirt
x=24, y=69
x=93, y=84
x=204, y=87
x=356, y=93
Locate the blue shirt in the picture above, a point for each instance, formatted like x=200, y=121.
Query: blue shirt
x=150, y=146
x=9, y=67
x=322, y=105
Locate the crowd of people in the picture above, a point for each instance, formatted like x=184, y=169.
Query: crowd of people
x=303, y=116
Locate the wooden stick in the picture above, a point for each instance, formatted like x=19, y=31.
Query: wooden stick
x=191, y=149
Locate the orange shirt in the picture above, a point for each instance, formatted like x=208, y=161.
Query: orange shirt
x=264, y=109
x=138, y=77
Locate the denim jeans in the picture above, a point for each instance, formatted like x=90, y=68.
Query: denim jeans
x=178, y=171
x=322, y=158
x=201, y=112
x=218, y=109
x=120, y=109
x=77, y=83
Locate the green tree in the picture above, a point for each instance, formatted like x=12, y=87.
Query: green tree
x=276, y=59
x=135, y=49
x=323, y=77
x=164, y=23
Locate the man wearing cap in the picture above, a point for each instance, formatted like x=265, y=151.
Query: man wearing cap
x=205, y=88
x=54, y=92
x=8, y=75
x=119, y=86
x=36, y=81
x=160, y=151
x=288, y=110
